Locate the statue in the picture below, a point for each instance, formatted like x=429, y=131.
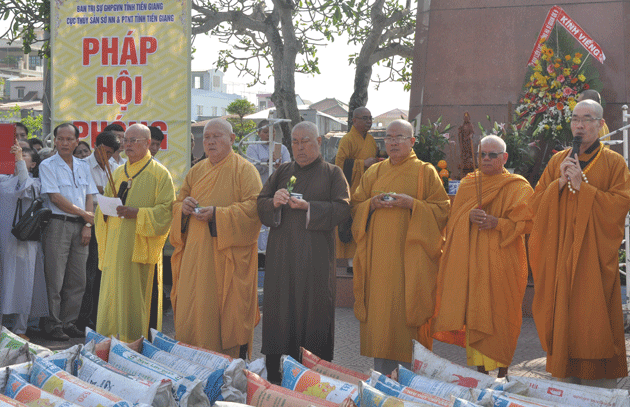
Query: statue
x=466, y=134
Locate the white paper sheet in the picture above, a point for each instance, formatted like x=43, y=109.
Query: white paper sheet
x=108, y=205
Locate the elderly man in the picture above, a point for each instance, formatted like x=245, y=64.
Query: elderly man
x=302, y=202
x=483, y=271
x=67, y=188
x=130, y=244
x=215, y=263
x=580, y=205
x=592, y=94
x=356, y=153
x=401, y=209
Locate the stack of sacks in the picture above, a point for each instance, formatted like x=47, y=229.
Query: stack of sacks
x=230, y=386
x=299, y=378
x=188, y=391
x=103, y=343
x=90, y=368
x=261, y=393
x=571, y=394
x=370, y=397
x=392, y=388
x=326, y=368
x=47, y=381
x=14, y=349
x=428, y=364
x=9, y=402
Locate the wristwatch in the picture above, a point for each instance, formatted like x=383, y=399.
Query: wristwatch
x=88, y=225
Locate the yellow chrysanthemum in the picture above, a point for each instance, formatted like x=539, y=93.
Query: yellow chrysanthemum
x=571, y=99
x=553, y=75
x=567, y=57
x=572, y=104
x=578, y=55
x=556, y=65
x=546, y=57
x=558, y=127
x=566, y=71
x=558, y=95
x=577, y=60
x=537, y=68
x=546, y=127
x=581, y=77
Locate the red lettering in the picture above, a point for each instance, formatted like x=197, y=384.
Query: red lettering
x=90, y=47
x=124, y=90
x=84, y=129
x=106, y=89
x=148, y=45
x=128, y=53
x=95, y=130
x=138, y=90
x=108, y=50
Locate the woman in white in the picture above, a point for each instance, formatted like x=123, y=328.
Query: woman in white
x=19, y=260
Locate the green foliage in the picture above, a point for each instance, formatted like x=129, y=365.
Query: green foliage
x=516, y=143
x=25, y=17
x=431, y=142
x=32, y=122
x=241, y=108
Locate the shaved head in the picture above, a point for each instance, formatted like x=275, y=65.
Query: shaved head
x=590, y=94
x=219, y=122
x=596, y=108
x=360, y=112
x=308, y=128
x=495, y=141
x=405, y=126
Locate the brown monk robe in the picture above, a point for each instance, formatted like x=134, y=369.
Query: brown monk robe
x=398, y=247
x=578, y=227
x=483, y=268
x=215, y=262
x=299, y=287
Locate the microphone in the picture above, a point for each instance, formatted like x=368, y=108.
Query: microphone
x=575, y=148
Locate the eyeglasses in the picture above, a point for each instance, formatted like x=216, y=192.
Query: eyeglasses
x=585, y=120
x=396, y=139
x=133, y=140
x=365, y=118
x=492, y=156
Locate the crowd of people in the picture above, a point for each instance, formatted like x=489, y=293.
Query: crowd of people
x=424, y=265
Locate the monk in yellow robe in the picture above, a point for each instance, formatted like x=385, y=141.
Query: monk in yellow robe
x=215, y=262
x=356, y=152
x=130, y=245
x=401, y=210
x=483, y=269
x=580, y=206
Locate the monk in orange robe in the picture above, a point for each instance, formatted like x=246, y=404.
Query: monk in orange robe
x=215, y=262
x=483, y=269
x=401, y=210
x=356, y=153
x=580, y=205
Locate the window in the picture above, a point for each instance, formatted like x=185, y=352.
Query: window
x=216, y=81
x=223, y=111
x=262, y=105
x=197, y=82
x=214, y=111
x=20, y=91
x=199, y=110
x=34, y=61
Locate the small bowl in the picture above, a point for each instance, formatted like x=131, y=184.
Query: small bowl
x=296, y=195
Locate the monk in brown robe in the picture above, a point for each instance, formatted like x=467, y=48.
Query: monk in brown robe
x=580, y=205
x=401, y=209
x=483, y=269
x=299, y=301
x=215, y=262
x=356, y=153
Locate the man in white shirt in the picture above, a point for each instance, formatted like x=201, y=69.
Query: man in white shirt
x=260, y=152
x=119, y=131
x=67, y=189
x=108, y=142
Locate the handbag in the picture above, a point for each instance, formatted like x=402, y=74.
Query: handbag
x=33, y=222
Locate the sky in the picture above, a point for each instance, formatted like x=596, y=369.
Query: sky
x=335, y=81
